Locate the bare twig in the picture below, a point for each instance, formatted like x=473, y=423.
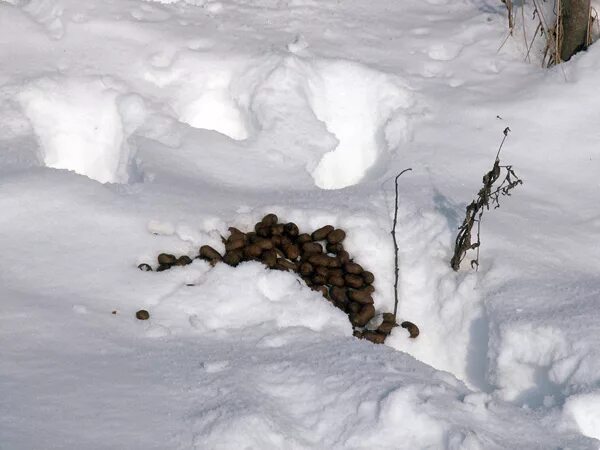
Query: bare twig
x=396, y=250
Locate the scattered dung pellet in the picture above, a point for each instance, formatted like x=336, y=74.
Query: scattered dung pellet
x=366, y=313
x=233, y=258
x=303, y=238
x=277, y=230
x=386, y=327
x=142, y=314
x=210, y=254
x=114, y=312
x=269, y=258
x=163, y=267
x=321, y=233
x=353, y=281
x=353, y=268
x=190, y=284
x=411, y=327
x=234, y=243
x=336, y=236
x=306, y=269
x=145, y=267
x=343, y=257
x=389, y=317
x=291, y=251
x=312, y=247
x=361, y=296
x=374, y=337
x=336, y=280
x=291, y=229
x=270, y=220
x=334, y=248
x=339, y=295
x=368, y=277
x=166, y=259
x=183, y=260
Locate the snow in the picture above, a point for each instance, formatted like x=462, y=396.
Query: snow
x=137, y=127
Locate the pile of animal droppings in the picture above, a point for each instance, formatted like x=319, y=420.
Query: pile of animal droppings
x=319, y=258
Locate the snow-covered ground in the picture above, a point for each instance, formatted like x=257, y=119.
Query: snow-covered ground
x=130, y=128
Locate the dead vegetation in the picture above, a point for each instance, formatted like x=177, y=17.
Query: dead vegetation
x=566, y=27
x=488, y=195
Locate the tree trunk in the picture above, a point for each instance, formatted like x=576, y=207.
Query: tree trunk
x=575, y=21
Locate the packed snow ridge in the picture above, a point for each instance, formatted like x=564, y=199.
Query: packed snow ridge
x=355, y=115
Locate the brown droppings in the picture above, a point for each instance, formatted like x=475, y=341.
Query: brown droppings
x=321, y=233
x=343, y=257
x=183, y=260
x=291, y=251
x=336, y=236
x=366, y=313
x=269, y=258
x=166, y=259
x=389, y=317
x=312, y=247
x=233, y=258
x=339, y=295
x=303, y=238
x=353, y=268
x=210, y=254
x=386, y=327
x=374, y=337
x=306, y=269
x=334, y=248
x=368, y=277
x=353, y=281
x=270, y=220
x=291, y=229
x=411, y=327
x=142, y=314
x=145, y=267
x=361, y=296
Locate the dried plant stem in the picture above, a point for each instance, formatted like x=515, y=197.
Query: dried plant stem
x=474, y=212
x=396, y=250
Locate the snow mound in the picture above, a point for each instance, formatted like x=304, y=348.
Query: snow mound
x=356, y=103
x=247, y=296
x=584, y=411
x=201, y=87
x=334, y=118
x=81, y=125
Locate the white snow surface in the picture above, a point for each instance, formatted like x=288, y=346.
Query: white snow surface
x=134, y=127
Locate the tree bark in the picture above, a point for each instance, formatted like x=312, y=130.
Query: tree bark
x=575, y=21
